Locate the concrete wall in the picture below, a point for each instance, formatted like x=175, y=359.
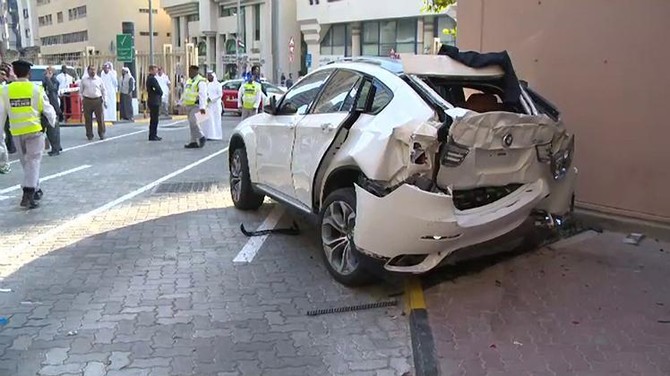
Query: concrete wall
x=604, y=63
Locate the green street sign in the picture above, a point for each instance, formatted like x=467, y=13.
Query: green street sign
x=125, y=48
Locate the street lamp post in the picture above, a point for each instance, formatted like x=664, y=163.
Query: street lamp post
x=151, y=33
x=237, y=36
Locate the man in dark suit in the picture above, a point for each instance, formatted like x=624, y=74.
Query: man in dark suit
x=154, y=101
x=50, y=85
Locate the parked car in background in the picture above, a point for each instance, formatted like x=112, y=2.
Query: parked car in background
x=407, y=163
x=37, y=72
x=232, y=87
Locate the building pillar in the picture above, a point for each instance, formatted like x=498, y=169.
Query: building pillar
x=356, y=39
x=428, y=33
x=211, y=52
x=218, y=54
x=183, y=31
x=420, y=49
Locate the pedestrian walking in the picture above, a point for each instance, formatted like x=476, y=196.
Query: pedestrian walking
x=4, y=131
x=7, y=77
x=289, y=81
x=212, y=128
x=249, y=97
x=154, y=100
x=64, y=82
x=164, y=82
x=24, y=102
x=109, y=78
x=195, y=101
x=127, y=87
x=50, y=85
x=282, y=81
x=93, y=94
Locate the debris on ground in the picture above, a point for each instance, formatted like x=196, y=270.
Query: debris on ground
x=72, y=333
x=517, y=343
x=5, y=290
x=575, y=322
x=293, y=230
x=31, y=303
x=664, y=321
x=493, y=346
x=633, y=238
x=4, y=321
x=498, y=283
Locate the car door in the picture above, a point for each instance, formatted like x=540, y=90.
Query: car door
x=229, y=99
x=275, y=134
x=318, y=129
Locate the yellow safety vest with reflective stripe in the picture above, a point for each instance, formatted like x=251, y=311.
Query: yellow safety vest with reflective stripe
x=25, y=106
x=249, y=93
x=191, y=91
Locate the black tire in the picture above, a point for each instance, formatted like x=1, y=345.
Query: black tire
x=357, y=275
x=247, y=199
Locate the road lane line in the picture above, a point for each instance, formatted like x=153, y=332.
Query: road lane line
x=255, y=243
x=86, y=216
x=46, y=178
x=107, y=139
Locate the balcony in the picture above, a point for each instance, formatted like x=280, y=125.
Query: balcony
x=355, y=10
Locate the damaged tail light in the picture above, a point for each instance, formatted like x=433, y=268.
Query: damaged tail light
x=544, y=152
x=562, y=160
x=453, y=154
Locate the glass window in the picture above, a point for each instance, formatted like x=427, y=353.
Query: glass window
x=326, y=43
x=301, y=96
x=59, y=15
x=335, y=93
x=348, y=48
x=339, y=35
x=243, y=26
x=272, y=89
x=442, y=23
x=370, y=32
x=257, y=22
x=383, y=96
x=406, y=36
x=232, y=85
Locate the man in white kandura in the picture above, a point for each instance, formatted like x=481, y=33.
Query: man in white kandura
x=212, y=127
x=109, y=78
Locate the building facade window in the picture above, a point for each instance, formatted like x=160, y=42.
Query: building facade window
x=334, y=41
x=45, y=20
x=43, y=2
x=76, y=13
x=193, y=17
x=257, y=22
x=59, y=16
x=378, y=38
x=243, y=26
x=226, y=11
x=76, y=37
x=442, y=23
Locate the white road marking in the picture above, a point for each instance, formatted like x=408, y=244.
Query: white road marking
x=107, y=139
x=86, y=216
x=46, y=178
x=255, y=243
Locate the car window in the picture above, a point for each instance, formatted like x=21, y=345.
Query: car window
x=272, y=89
x=383, y=96
x=336, y=91
x=233, y=85
x=302, y=95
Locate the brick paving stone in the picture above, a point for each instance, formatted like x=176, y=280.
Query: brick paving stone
x=150, y=286
x=587, y=307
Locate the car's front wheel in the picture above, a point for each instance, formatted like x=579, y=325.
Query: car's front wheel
x=243, y=195
x=338, y=221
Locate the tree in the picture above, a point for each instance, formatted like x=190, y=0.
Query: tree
x=436, y=6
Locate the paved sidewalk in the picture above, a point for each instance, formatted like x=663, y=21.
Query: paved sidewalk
x=589, y=306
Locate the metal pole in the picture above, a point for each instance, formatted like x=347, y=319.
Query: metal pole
x=151, y=33
x=237, y=42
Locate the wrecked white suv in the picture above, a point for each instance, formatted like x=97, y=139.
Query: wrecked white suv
x=405, y=161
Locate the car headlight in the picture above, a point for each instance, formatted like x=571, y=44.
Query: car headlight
x=562, y=159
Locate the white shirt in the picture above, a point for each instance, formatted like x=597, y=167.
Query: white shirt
x=64, y=81
x=93, y=87
x=47, y=109
x=214, y=92
x=164, y=83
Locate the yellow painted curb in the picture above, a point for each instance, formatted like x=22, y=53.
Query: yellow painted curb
x=414, y=294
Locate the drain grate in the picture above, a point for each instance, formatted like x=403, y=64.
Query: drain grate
x=360, y=307
x=188, y=187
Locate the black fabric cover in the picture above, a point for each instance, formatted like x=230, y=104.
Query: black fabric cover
x=480, y=60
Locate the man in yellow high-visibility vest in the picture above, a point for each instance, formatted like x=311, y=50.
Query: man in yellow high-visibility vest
x=194, y=99
x=24, y=103
x=249, y=97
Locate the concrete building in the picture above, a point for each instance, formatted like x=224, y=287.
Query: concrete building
x=17, y=25
x=336, y=28
x=66, y=28
x=266, y=27
x=604, y=64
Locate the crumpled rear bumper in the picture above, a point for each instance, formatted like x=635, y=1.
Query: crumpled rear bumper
x=409, y=221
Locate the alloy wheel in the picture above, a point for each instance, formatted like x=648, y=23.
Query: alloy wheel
x=236, y=176
x=337, y=236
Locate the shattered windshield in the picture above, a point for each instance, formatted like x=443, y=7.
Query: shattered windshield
x=438, y=98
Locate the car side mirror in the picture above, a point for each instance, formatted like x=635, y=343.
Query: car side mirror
x=289, y=109
x=271, y=108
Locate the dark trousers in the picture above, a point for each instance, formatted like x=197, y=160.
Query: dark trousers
x=154, y=113
x=9, y=140
x=91, y=106
x=53, y=135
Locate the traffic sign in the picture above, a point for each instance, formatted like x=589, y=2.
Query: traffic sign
x=308, y=60
x=125, y=48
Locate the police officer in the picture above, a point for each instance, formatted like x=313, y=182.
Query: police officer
x=25, y=103
x=249, y=97
x=194, y=99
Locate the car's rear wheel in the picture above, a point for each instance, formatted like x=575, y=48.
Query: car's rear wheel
x=243, y=195
x=338, y=221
